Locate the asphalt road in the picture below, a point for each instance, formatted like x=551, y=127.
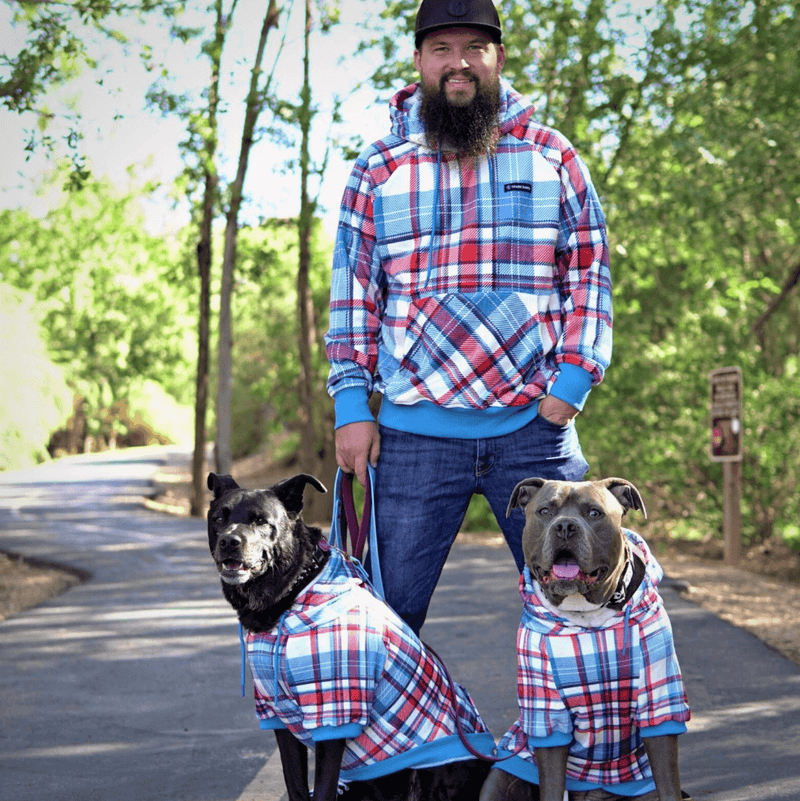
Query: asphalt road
x=127, y=686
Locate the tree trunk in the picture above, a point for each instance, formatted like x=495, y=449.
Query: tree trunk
x=310, y=461
x=792, y=280
x=204, y=251
x=304, y=301
x=201, y=384
x=255, y=103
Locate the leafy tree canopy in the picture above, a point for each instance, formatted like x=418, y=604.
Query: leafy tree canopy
x=686, y=112
x=111, y=301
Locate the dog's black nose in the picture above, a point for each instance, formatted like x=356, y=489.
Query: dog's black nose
x=230, y=541
x=565, y=529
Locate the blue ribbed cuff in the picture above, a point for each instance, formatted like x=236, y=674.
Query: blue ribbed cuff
x=668, y=727
x=347, y=731
x=572, y=385
x=351, y=405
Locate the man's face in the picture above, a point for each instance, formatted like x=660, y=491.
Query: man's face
x=462, y=58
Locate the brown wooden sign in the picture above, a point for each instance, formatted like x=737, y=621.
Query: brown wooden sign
x=726, y=415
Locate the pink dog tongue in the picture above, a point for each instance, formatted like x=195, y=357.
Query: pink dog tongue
x=566, y=571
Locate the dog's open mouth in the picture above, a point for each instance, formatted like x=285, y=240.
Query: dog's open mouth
x=566, y=568
x=235, y=570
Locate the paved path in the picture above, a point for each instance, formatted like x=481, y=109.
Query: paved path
x=127, y=687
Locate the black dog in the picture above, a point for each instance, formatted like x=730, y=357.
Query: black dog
x=269, y=560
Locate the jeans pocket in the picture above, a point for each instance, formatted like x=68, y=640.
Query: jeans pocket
x=556, y=426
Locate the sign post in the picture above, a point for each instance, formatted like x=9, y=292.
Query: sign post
x=726, y=447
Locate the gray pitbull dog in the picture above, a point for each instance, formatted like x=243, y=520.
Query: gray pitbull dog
x=587, y=576
x=573, y=541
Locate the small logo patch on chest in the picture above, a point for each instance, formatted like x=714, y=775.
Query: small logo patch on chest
x=519, y=186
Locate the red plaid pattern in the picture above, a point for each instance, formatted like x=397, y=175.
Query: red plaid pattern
x=598, y=687
x=468, y=282
x=342, y=664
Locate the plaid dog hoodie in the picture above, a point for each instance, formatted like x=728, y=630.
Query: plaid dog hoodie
x=600, y=690
x=341, y=664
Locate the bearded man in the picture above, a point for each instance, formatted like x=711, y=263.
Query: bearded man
x=471, y=289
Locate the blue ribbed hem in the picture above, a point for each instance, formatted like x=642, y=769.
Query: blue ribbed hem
x=271, y=723
x=347, y=732
x=430, y=420
x=554, y=740
x=428, y=755
x=572, y=385
x=522, y=769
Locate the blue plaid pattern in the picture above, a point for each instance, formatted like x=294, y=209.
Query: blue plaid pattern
x=600, y=688
x=477, y=302
x=342, y=664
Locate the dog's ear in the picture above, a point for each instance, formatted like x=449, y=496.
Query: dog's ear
x=626, y=494
x=290, y=491
x=219, y=485
x=523, y=492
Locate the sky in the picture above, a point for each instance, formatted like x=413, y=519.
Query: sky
x=131, y=145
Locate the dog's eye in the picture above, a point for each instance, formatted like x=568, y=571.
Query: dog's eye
x=221, y=516
x=258, y=520
x=595, y=513
x=544, y=511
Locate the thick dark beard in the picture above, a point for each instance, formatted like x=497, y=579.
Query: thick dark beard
x=469, y=129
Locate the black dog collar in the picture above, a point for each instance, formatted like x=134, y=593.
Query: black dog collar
x=632, y=577
x=271, y=616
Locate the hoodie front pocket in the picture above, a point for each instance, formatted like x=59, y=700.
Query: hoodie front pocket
x=473, y=350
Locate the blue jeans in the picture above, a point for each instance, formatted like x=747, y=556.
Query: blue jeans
x=423, y=486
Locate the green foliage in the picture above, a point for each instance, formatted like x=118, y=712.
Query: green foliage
x=698, y=210
x=50, y=48
x=156, y=410
x=687, y=115
x=266, y=359
x=34, y=398
x=110, y=313
x=51, y=54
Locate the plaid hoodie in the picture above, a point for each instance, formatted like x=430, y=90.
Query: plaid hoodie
x=463, y=285
x=340, y=663
x=600, y=689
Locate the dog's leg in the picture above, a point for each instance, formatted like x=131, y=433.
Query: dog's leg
x=327, y=766
x=552, y=764
x=455, y=781
x=400, y=786
x=502, y=786
x=294, y=760
x=662, y=753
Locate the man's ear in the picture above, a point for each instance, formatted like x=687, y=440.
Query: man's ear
x=501, y=58
x=418, y=60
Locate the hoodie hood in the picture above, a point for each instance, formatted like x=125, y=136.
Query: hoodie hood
x=539, y=615
x=515, y=111
x=406, y=123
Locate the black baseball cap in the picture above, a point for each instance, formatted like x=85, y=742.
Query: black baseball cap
x=433, y=15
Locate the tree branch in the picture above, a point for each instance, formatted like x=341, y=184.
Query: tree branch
x=790, y=283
